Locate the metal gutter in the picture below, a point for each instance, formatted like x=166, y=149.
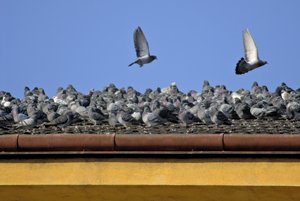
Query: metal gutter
x=261, y=142
x=9, y=143
x=65, y=142
x=169, y=142
x=150, y=144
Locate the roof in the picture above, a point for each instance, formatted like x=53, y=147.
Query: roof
x=155, y=121
x=250, y=126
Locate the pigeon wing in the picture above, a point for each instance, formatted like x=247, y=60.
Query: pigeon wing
x=250, y=49
x=140, y=43
x=127, y=117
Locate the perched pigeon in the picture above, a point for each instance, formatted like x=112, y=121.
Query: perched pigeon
x=27, y=123
x=167, y=114
x=217, y=116
x=293, y=110
x=95, y=115
x=278, y=103
x=186, y=117
x=251, y=60
x=17, y=116
x=284, y=87
x=141, y=48
x=152, y=118
x=263, y=109
x=64, y=120
x=125, y=118
x=206, y=88
x=51, y=115
x=203, y=112
x=285, y=95
x=228, y=110
x=242, y=109
x=6, y=117
x=112, y=119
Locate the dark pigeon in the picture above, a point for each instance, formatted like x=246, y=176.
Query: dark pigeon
x=186, y=117
x=151, y=118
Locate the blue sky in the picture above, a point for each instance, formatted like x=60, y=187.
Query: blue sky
x=89, y=44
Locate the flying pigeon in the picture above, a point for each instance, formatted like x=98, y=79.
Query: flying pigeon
x=141, y=48
x=251, y=60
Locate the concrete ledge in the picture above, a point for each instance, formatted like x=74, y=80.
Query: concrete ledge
x=143, y=171
x=149, y=193
x=150, y=179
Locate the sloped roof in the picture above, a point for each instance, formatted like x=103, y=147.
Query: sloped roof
x=251, y=126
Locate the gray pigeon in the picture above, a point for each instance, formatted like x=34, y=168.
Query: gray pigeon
x=242, y=109
x=206, y=88
x=6, y=117
x=228, y=110
x=95, y=115
x=17, y=116
x=125, y=118
x=152, y=118
x=281, y=87
x=112, y=119
x=293, y=110
x=263, y=109
x=278, y=103
x=27, y=123
x=51, y=115
x=217, y=116
x=203, y=112
x=186, y=117
x=251, y=60
x=141, y=48
x=64, y=120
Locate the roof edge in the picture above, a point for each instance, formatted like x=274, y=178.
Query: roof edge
x=152, y=143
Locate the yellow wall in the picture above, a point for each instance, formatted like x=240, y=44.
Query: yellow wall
x=150, y=179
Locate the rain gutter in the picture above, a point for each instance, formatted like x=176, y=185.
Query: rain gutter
x=124, y=144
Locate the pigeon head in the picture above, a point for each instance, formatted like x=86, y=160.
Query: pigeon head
x=147, y=109
x=26, y=89
x=255, y=84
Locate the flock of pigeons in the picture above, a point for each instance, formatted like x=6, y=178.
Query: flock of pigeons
x=247, y=63
x=113, y=106
x=128, y=107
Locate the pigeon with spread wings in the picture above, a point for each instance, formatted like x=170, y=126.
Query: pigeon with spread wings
x=251, y=60
x=141, y=48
